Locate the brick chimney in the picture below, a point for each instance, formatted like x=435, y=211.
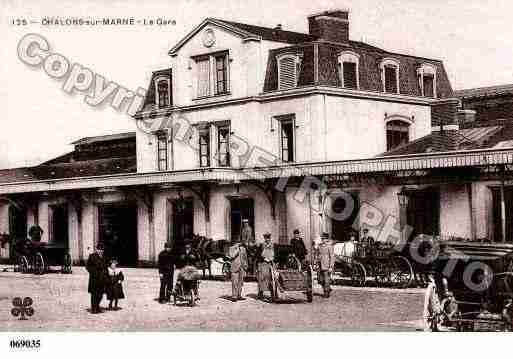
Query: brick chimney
x=444, y=125
x=330, y=25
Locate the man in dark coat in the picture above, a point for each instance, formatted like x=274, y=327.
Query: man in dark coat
x=97, y=269
x=166, y=264
x=298, y=247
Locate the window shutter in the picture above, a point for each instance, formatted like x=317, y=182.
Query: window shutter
x=390, y=79
x=203, y=77
x=428, y=85
x=350, y=74
x=287, y=73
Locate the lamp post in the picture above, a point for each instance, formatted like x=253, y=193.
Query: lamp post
x=403, y=198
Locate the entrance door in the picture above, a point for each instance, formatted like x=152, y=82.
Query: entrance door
x=17, y=226
x=424, y=212
x=59, y=225
x=118, y=232
x=241, y=208
x=341, y=229
x=182, y=222
x=497, y=215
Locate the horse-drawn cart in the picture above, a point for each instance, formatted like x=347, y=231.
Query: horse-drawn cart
x=37, y=257
x=358, y=262
x=472, y=287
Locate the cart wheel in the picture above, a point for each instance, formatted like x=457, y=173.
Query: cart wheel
x=39, y=264
x=192, y=300
x=226, y=270
x=21, y=265
x=401, y=272
x=66, y=264
x=358, y=274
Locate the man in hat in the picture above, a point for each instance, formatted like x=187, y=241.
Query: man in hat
x=98, y=276
x=298, y=246
x=265, y=260
x=367, y=242
x=239, y=266
x=166, y=264
x=246, y=234
x=326, y=260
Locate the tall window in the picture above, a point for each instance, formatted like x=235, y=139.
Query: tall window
x=203, y=66
x=163, y=93
x=162, y=151
x=398, y=133
x=212, y=74
x=288, y=71
x=223, y=146
x=390, y=75
x=204, y=148
x=427, y=80
x=287, y=139
x=348, y=69
x=220, y=74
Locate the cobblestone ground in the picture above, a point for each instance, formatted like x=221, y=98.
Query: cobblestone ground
x=61, y=302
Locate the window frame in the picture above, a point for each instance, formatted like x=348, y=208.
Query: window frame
x=387, y=63
x=212, y=77
x=157, y=80
x=219, y=128
x=204, y=133
x=408, y=130
x=297, y=69
x=289, y=120
x=423, y=71
x=165, y=150
x=349, y=57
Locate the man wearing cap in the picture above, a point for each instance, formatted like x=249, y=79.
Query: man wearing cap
x=97, y=269
x=326, y=260
x=239, y=266
x=298, y=246
x=166, y=264
x=265, y=259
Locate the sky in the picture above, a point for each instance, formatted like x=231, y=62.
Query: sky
x=473, y=38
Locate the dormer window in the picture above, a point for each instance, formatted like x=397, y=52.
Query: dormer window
x=427, y=80
x=212, y=75
x=390, y=75
x=348, y=70
x=163, y=91
x=289, y=66
x=398, y=133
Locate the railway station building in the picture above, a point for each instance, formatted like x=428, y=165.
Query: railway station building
x=287, y=130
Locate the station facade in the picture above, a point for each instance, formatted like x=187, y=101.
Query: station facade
x=287, y=130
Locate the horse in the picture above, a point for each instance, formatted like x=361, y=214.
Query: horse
x=209, y=250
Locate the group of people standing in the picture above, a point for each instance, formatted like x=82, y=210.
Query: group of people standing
x=104, y=278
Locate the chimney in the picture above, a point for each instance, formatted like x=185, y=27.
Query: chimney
x=330, y=25
x=444, y=125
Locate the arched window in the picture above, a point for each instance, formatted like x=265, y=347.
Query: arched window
x=390, y=75
x=163, y=93
x=398, y=133
x=288, y=71
x=427, y=80
x=348, y=63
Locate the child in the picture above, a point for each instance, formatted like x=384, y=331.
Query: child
x=114, y=286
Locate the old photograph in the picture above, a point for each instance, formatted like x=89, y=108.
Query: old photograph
x=256, y=166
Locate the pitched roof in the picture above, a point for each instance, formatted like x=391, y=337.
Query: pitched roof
x=271, y=34
x=104, y=138
x=472, y=138
x=70, y=170
x=489, y=91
